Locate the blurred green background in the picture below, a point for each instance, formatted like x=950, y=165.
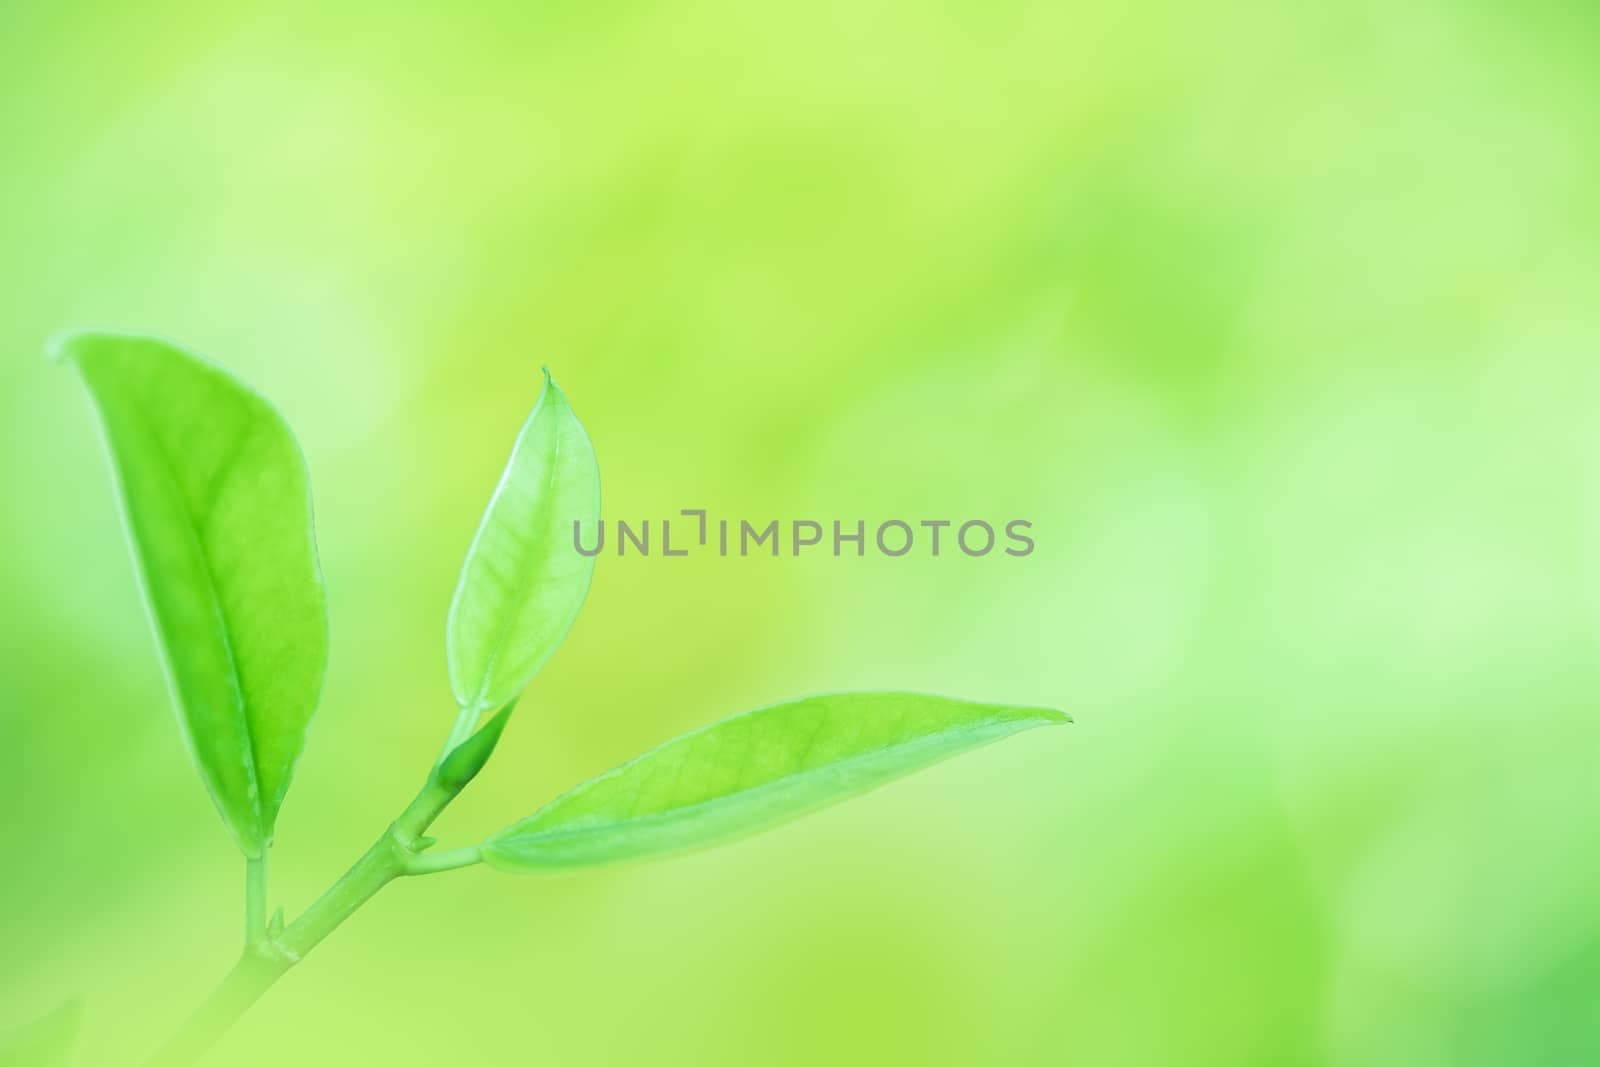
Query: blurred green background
x=1279, y=321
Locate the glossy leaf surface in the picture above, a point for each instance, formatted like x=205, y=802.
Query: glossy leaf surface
x=218, y=506
x=523, y=580
x=750, y=772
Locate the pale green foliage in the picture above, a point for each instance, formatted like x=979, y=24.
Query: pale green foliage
x=523, y=582
x=218, y=506
x=750, y=772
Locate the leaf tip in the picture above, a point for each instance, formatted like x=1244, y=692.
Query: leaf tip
x=1044, y=716
x=550, y=391
x=73, y=344
x=64, y=345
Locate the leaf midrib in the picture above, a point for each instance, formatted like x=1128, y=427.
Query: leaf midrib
x=226, y=624
x=524, y=563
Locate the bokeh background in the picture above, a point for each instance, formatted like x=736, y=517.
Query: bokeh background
x=1279, y=321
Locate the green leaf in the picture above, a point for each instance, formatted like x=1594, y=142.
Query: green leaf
x=218, y=507
x=750, y=772
x=524, y=580
x=46, y=1042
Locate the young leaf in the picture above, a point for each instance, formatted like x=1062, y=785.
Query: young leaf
x=523, y=580
x=464, y=762
x=46, y=1042
x=750, y=772
x=218, y=507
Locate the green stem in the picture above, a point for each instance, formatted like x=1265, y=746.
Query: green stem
x=434, y=862
x=466, y=722
x=252, y=976
x=422, y=811
x=266, y=960
x=255, y=899
x=379, y=866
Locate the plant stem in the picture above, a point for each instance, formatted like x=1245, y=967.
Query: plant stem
x=466, y=722
x=434, y=862
x=255, y=899
x=265, y=960
x=379, y=866
x=252, y=976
